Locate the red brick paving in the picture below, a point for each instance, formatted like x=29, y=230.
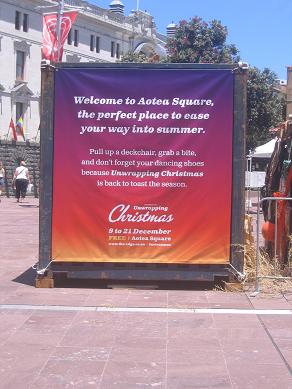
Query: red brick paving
x=90, y=349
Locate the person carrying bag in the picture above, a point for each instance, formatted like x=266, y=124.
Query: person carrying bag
x=20, y=181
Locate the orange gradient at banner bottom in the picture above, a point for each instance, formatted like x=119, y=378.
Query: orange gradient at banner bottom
x=142, y=175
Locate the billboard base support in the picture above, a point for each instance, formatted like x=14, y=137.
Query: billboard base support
x=45, y=280
x=140, y=272
x=233, y=286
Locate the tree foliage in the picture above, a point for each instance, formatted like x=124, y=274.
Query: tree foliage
x=197, y=41
x=265, y=106
x=134, y=57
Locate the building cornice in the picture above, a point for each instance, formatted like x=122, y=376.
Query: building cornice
x=20, y=38
x=22, y=45
x=83, y=56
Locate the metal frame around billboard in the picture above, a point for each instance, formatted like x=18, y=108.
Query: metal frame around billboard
x=231, y=271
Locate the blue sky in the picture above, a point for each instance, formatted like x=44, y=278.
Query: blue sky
x=261, y=29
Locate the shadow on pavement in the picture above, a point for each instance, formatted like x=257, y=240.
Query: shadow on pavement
x=26, y=278
x=63, y=282
x=28, y=205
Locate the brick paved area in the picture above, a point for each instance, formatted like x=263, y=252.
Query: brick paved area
x=78, y=338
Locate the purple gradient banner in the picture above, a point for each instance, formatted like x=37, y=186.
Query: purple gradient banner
x=142, y=165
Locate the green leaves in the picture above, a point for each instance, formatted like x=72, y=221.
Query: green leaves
x=197, y=41
x=265, y=106
x=134, y=57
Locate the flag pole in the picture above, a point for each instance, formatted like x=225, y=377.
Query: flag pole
x=8, y=132
x=35, y=138
x=137, y=5
x=60, y=16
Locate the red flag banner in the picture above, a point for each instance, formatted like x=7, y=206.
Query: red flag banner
x=50, y=34
x=12, y=128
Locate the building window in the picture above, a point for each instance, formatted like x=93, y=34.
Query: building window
x=97, y=44
x=18, y=111
x=25, y=23
x=69, y=38
x=17, y=20
x=118, y=51
x=20, y=62
x=112, y=49
x=21, y=19
x=76, y=36
x=91, y=42
x=94, y=43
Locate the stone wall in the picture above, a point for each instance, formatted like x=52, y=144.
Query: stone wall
x=11, y=153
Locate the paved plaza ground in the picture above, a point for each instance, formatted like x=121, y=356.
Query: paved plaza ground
x=90, y=337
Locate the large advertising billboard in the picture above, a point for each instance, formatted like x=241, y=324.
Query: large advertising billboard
x=142, y=167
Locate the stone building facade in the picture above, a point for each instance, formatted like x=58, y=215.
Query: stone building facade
x=98, y=35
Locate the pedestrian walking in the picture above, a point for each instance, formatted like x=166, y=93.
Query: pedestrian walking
x=2, y=175
x=20, y=181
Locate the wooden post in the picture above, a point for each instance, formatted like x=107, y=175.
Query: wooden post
x=46, y=176
x=238, y=168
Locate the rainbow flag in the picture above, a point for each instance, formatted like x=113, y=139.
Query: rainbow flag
x=19, y=127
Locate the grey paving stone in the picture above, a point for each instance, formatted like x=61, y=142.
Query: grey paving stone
x=129, y=350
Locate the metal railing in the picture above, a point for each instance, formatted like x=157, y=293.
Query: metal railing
x=258, y=276
x=251, y=194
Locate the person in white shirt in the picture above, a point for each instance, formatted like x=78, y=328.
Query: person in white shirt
x=20, y=181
